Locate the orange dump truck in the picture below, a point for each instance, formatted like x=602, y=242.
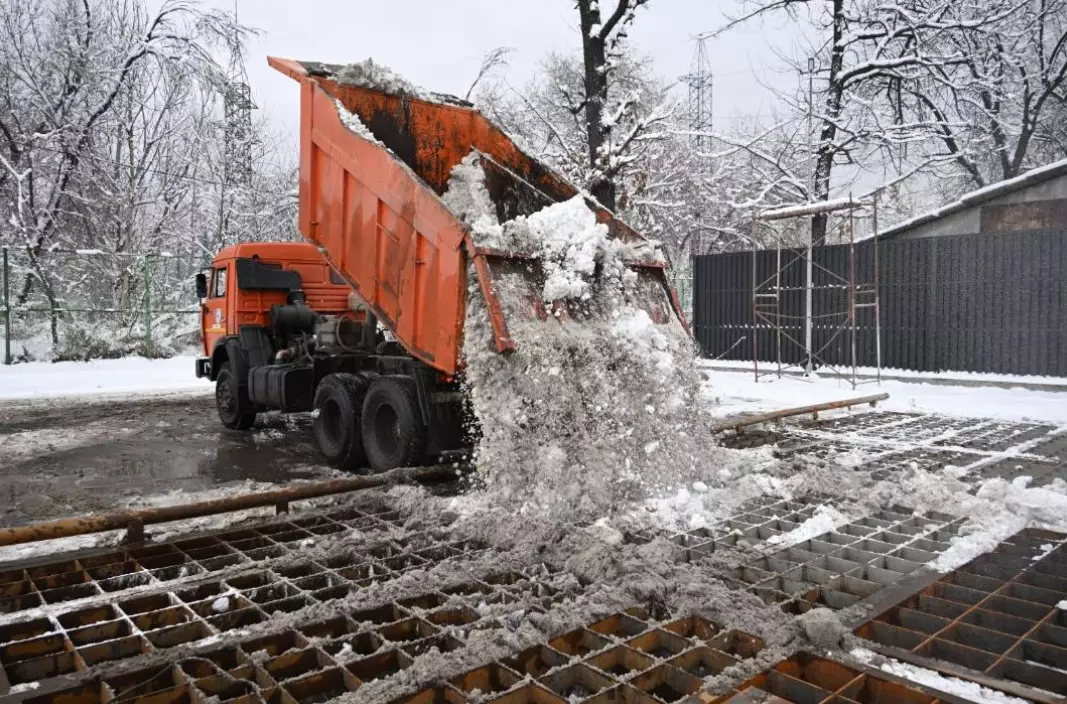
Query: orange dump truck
x=301, y=327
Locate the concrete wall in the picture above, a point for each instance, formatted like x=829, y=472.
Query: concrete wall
x=1046, y=209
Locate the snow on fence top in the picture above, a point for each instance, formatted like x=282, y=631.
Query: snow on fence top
x=824, y=206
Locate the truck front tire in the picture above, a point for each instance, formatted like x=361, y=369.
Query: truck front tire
x=339, y=402
x=235, y=409
x=393, y=432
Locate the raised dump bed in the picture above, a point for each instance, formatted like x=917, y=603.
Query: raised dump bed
x=370, y=198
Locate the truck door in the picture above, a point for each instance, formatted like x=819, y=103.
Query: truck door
x=215, y=313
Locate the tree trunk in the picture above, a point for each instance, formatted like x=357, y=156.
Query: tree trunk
x=594, y=54
x=826, y=151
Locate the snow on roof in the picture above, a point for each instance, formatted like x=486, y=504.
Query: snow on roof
x=982, y=195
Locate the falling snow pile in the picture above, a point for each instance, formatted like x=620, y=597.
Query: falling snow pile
x=596, y=408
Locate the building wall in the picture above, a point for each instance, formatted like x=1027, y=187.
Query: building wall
x=1041, y=206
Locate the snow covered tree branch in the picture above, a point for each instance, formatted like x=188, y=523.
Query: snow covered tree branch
x=110, y=117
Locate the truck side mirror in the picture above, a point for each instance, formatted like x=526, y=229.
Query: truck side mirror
x=201, y=286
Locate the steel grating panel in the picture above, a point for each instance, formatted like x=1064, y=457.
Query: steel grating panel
x=837, y=569
x=809, y=679
x=622, y=658
x=853, y=563
x=321, y=660
x=169, y=563
x=894, y=442
x=1002, y=615
x=245, y=615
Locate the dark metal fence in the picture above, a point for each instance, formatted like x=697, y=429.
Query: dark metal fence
x=993, y=303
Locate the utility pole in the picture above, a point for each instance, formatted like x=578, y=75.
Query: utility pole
x=237, y=115
x=701, y=83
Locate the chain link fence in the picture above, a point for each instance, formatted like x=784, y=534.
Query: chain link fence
x=89, y=304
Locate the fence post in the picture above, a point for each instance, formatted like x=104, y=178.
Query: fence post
x=930, y=359
x=7, y=310
x=148, y=306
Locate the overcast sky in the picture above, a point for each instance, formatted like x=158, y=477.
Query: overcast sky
x=438, y=44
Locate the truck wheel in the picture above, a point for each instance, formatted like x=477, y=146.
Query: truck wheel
x=339, y=401
x=235, y=409
x=393, y=432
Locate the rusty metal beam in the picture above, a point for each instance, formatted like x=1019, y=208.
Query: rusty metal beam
x=755, y=418
x=83, y=525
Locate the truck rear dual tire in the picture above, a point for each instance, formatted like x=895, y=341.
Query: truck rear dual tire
x=339, y=402
x=394, y=434
x=369, y=420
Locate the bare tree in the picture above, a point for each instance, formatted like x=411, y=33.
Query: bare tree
x=66, y=64
x=994, y=109
x=548, y=116
x=113, y=145
x=925, y=85
x=494, y=59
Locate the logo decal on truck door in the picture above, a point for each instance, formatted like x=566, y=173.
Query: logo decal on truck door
x=218, y=321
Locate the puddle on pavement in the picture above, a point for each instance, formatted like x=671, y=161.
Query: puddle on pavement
x=109, y=468
x=270, y=454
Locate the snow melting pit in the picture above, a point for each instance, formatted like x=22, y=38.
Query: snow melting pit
x=996, y=615
x=851, y=563
x=809, y=678
x=251, y=613
x=625, y=657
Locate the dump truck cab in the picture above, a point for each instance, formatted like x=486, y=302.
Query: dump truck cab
x=246, y=280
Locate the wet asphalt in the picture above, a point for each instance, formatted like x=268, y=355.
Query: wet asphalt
x=68, y=458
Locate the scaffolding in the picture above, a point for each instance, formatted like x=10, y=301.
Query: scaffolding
x=767, y=295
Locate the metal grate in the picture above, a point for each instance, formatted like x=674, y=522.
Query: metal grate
x=836, y=569
x=121, y=607
x=170, y=563
x=894, y=442
x=251, y=615
x=622, y=655
x=622, y=658
x=999, y=614
x=852, y=563
x=808, y=679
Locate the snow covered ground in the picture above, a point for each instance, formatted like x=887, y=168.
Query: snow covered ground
x=737, y=392
x=120, y=377
x=969, y=378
